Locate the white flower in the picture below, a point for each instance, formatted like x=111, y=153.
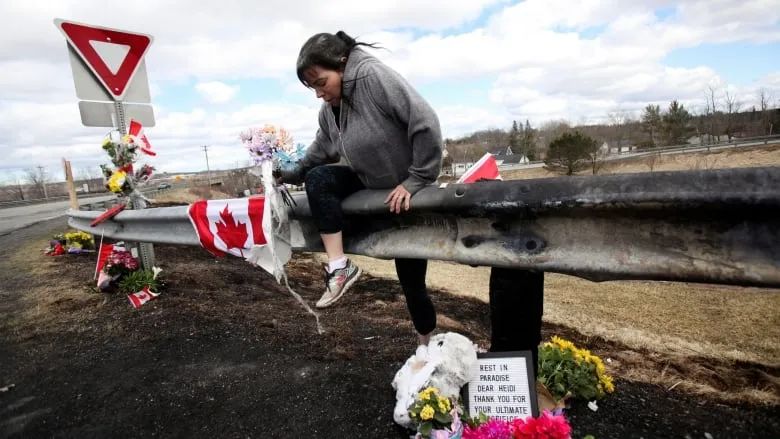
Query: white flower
x=593, y=406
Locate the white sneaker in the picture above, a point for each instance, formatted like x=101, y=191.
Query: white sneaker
x=337, y=283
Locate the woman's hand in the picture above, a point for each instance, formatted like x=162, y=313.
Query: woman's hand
x=397, y=198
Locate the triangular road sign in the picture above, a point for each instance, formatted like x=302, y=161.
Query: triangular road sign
x=112, y=55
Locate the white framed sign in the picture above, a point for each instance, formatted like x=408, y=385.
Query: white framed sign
x=502, y=386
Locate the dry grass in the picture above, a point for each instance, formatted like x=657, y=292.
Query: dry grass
x=728, y=158
x=690, y=319
x=188, y=195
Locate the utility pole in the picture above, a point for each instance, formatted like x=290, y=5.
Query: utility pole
x=43, y=181
x=208, y=170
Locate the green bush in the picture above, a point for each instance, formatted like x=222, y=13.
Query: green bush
x=136, y=280
x=569, y=371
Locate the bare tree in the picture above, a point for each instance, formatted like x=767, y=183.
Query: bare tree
x=764, y=102
x=37, y=179
x=711, y=114
x=732, y=106
x=652, y=160
x=11, y=190
x=87, y=173
x=619, y=121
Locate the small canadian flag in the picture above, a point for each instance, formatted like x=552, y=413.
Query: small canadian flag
x=141, y=297
x=486, y=168
x=136, y=130
x=229, y=226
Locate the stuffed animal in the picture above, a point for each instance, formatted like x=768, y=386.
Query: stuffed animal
x=447, y=363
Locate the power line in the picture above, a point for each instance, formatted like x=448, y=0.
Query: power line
x=208, y=170
x=43, y=181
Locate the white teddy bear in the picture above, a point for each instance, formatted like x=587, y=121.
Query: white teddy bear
x=447, y=363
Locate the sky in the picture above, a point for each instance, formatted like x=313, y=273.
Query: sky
x=217, y=68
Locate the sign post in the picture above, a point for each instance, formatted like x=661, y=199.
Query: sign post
x=108, y=72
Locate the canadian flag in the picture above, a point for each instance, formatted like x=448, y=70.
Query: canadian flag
x=141, y=297
x=486, y=168
x=229, y=226
x=136, y=130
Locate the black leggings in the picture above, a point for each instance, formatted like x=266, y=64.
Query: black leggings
x=516, y=307
x=326, y=187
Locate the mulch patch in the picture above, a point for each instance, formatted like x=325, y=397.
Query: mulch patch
x=226, y=352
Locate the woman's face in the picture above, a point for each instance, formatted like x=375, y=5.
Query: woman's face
x=326, y=83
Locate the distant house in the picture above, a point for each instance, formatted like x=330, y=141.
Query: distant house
x=502, y=151
x=706, y=139
x=622, y=147
x=511, y=159
x=459, y=168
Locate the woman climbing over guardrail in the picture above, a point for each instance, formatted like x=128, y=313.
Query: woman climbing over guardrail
x=383, y=135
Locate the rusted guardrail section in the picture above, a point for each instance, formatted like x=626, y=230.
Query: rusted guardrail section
x=717, y=226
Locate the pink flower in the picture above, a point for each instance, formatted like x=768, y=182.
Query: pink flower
x=492, y=429
x=546, y=426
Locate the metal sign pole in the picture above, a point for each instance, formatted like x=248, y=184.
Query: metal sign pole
x=145, y=250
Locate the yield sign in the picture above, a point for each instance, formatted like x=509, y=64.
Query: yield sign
x=112, y=55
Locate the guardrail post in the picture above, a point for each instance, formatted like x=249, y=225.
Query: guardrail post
x=143, y=250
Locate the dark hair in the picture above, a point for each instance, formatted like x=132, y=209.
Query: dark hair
x=326, y=50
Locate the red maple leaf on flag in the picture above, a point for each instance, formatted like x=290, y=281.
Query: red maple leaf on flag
x=233, y=233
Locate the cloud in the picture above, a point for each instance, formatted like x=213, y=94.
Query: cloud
x=216, y=92
x=538, y=59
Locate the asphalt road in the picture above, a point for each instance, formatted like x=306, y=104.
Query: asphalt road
x=14, y=218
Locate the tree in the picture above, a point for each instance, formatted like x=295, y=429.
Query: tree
x=37, y=178
x=514, y=138
x=570, y=152
x=675, y=123
x=764, y=100
x=732, y=107
x=619, y=127
x=651, y=122
x=528, y=141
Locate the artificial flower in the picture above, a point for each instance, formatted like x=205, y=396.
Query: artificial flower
x=117, y=181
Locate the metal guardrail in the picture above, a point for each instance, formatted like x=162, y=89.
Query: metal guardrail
x=720, y=226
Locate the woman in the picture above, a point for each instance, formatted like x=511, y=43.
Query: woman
x=384, y=135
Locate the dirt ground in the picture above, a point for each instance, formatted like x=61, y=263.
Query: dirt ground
x=225, y=352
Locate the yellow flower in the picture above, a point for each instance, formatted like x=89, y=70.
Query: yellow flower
x=427, y=392
x=116, y=181
x=426, y=413
x=444, y=404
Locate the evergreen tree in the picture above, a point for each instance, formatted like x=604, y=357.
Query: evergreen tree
x=675, y=123
x=571, y=152
x=514, y=138
x=651, y=122
x=528, y=142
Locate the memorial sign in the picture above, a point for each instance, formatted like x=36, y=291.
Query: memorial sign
x=502, y=386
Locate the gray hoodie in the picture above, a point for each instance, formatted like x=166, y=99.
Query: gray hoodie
x=388, y=134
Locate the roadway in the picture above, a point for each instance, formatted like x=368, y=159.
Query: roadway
x=14, y=218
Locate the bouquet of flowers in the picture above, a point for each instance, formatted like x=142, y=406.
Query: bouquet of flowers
x=144, y=173
x=436, y=416
x=570, y=371
x=272, y=144
x=80, y=240
x=120, y=262
x=262, y=144
x=546, y=426
x=123, y=152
